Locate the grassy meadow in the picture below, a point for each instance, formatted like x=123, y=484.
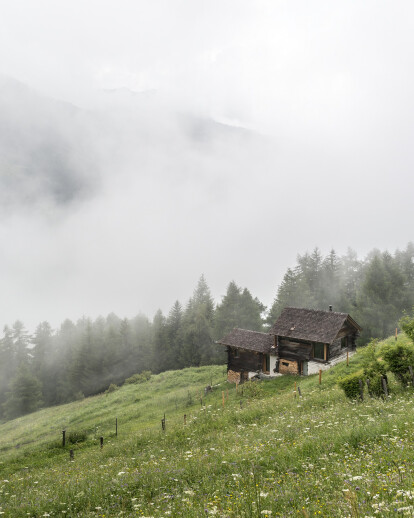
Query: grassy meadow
x=267, y=452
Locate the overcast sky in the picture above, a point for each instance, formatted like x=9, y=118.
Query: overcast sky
x=217, y=137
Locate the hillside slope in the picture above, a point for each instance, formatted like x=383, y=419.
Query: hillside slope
x=264, y=452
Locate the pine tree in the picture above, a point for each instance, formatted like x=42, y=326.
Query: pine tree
x=381, y=297
x=198, y=345
x=21, y=342
x=174, y=333
x=238, y=309
x=162, y=358
x=25, y=393
x=8, y=364
x=44, y=360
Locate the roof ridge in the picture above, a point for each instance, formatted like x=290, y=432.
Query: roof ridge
x=316, y=310
x=248, y=330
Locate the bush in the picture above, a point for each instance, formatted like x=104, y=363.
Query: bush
x=398, y=358
x=407, y=325
x=350, y=385
x=77, y=436
x=112, y=387
x=139, y=378
x=373, y=372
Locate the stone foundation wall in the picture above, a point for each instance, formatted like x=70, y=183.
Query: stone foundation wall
x=288, y=367
x=233, y=376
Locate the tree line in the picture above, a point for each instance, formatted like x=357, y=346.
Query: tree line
x=375, y=291
x=83, y=358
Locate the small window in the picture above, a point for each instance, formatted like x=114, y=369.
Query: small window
x=344, y=342
x=318, y=351
x=236, y=353
x=285, y=364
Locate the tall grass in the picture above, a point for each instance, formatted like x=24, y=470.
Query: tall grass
x=265, y=453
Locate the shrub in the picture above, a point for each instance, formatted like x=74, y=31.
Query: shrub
x=77, y=436
x=398, y=358
x=112, y=387
x=373, y=372
x=350, y=385
x=139, y=378
x=370, y=355
x=407, y=325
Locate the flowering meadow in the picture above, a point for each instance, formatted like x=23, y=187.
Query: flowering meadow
x=266, y=452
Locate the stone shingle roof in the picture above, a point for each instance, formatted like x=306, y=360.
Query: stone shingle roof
x=249, y=340
x=311, y=324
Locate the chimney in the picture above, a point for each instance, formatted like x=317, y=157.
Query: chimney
x=330, y=308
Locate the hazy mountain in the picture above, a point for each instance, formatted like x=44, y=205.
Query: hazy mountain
x=53, y=152
x=46, y=148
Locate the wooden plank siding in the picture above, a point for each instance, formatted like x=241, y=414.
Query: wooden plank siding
x=294, y=350
x=244, y=360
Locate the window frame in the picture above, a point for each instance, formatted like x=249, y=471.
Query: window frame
x=321, y=348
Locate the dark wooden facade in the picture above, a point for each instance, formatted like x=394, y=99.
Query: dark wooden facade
x=241, y=360
x=247, y=352
x=305, y=335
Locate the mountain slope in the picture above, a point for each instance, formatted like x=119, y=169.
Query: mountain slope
x=264, y=453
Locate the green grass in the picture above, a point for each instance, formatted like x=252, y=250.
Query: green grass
x=266, y=453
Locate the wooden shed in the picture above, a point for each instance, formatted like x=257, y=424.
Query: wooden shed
x=248, y=353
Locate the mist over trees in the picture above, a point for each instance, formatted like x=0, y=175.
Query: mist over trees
x=375, y=291
x=80, y=359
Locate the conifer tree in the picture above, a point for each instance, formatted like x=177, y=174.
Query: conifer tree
x=198, y=345
x=25, y=393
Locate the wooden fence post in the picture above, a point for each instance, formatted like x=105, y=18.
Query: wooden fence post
x=299, y=392
x=361, y=390
x=241, y=404
x=63, y=438
x=71, y=455
x=163, y=423
x=295, y=389
x=369, y=387
x=320, y=376
x=101, y=440
x=185, y=419
x=384, y=386
x=396, y=333
x=411, y=374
